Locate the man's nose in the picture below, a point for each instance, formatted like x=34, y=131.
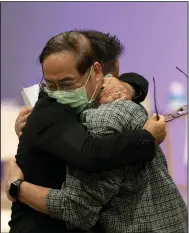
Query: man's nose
x=59, y=87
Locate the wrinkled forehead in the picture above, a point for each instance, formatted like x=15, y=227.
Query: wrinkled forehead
x=60, y=66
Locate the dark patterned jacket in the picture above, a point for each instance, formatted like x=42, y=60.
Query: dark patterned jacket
x=134, y=199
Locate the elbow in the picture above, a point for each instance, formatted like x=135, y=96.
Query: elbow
x=143, y=155
x=152, y=152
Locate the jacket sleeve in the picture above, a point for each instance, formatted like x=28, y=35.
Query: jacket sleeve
x=69, y=140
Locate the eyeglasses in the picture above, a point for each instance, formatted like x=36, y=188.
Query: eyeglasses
x=65, y=85
x=182, y=111
x=68, y=85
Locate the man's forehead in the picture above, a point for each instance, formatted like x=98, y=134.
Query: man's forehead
x=60, y=67
x=60, y=61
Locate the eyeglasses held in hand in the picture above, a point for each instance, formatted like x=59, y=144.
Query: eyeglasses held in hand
x=182, y=111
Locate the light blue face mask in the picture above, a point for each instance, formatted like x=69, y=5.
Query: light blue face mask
x=77, y=98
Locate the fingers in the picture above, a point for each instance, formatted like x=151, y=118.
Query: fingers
x=24, y=118
x=114, y=89
x=114, y=97
x=122, y=98
x=25, y=111
x=106, y=81
x=161, y=118
x=21, y=120
x=21, y=126
x=154, y=117
x=113, y=93
x=107, y=91
x=108, y=86
x=105, y=100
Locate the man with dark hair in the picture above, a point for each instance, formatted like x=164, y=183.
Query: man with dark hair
x=91, y=46
x=53, y=137
x=88, y=46
x=106, y=55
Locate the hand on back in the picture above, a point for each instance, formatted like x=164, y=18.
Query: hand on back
x=114, y=90
x=21, y=120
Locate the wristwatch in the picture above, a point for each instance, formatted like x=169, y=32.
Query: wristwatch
x=14, y=189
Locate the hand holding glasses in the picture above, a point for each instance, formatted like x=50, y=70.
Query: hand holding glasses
x=182, y=111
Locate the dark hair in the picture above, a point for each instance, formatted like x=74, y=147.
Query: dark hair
x=88, y=46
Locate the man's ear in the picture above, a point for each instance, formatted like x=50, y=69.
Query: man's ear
x=97, y=71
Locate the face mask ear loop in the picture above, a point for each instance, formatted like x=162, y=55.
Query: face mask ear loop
x=94, y=91
x=88, y=77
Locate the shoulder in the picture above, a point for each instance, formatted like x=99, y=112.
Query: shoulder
x=121, y=107
x=47, y=112
x=126, y=113
x=50, y=106
x=111, y=110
